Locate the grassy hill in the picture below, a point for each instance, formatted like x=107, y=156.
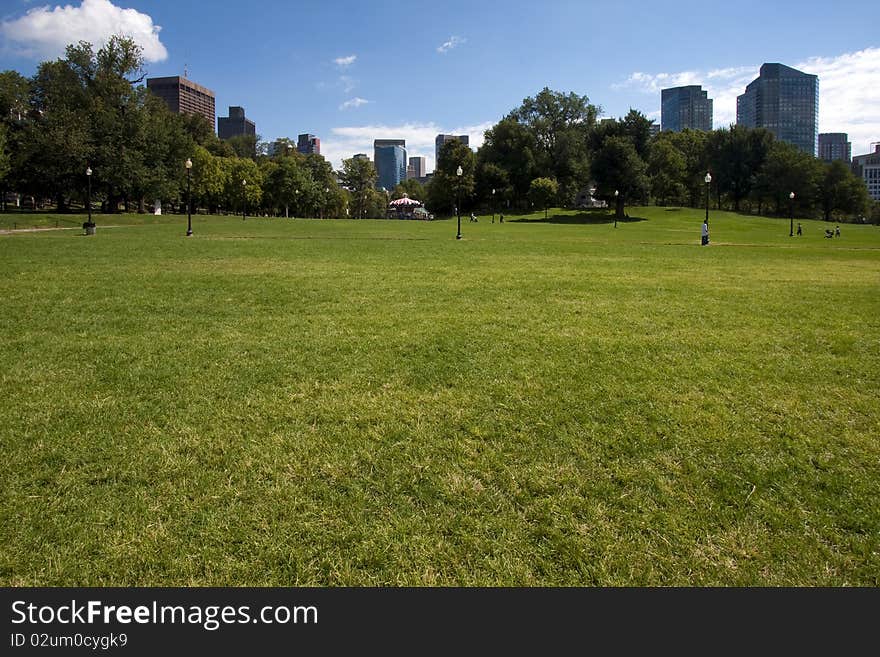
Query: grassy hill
x=560, y=402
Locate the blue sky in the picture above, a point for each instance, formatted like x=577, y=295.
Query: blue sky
x=351, y=72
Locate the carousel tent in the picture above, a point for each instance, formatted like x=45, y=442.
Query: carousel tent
x=404, y=203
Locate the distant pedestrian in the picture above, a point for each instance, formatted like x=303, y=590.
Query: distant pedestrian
x=705, y=233
x=473, y=218
x=837, y=231
x=501, y=219
x=800, y=231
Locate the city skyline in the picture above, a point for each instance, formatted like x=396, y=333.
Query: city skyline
x=470, y=66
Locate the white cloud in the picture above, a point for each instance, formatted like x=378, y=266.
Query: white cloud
x=347, y=83
x=44, y=32
x=346, y=141
x=354, y=102
x=849, y=92
x=849, y=95
x=345, y=62
x=453, y=42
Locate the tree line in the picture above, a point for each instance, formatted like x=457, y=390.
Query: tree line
x=90, y=109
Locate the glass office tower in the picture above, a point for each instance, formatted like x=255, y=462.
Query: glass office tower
x=785, y=101
x=685, y=107
x=389, y=156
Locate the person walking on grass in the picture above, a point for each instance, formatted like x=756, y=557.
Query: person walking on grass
x=837, y=231
x=799, y=231
x=705, y=233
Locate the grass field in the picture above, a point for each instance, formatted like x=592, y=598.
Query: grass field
x=304, y=402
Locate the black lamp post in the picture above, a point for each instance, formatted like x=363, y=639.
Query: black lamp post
x=616, y=196
x=189, y=226
x=708, y=179
x=89, y=195
x=296, y=202
x=243, y=199
x=493, y=205
x=324, y=200
x=458, y=173
x=791, y=214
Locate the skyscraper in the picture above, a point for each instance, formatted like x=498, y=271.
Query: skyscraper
x=389, y=158
x=307, y=144
x=184, y=96
x=442, y=139
x=685, y=107
x=235, y=124
x=785, y=101
x=416, y=168
x=835, y=146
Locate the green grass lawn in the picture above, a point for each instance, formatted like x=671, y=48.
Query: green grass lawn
x=305, y=402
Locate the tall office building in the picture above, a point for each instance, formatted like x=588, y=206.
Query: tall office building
x=307, y=144
x=442, y=139
x=835, y=146
x=389, y=157
x=184, y=96
x=416, y=167
x=235, y=124
x=785, y=101
x=867, y=167
x=685, y=107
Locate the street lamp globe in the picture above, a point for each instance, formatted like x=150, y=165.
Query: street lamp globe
x=708, y=180
x=90, y=226
x=458, y=174
x=189, y=165
x=616, y=195
x=244, y=199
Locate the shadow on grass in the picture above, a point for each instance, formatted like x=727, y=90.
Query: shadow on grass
x=595, y=218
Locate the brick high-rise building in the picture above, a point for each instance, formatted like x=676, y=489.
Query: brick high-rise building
x=184, y=96
x=235, y=124
x=307, y=144
x=835, y=146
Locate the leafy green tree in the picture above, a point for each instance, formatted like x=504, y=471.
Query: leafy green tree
x=411, y=187
x=244, y=145
x=287, y=180
x=736, y=155
x=839, y=190
x=559, y=125
x=667, y=170
x=618, y=167
x=637, y=127
x=492, y=185
x=512, y=148
x=317, y=196
x=358, y=176
x=447, y=188
x=691, y=144
x=209, y=177
x=786, y=169
x=244, y=185
x=15, y=90
x=542, y=193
